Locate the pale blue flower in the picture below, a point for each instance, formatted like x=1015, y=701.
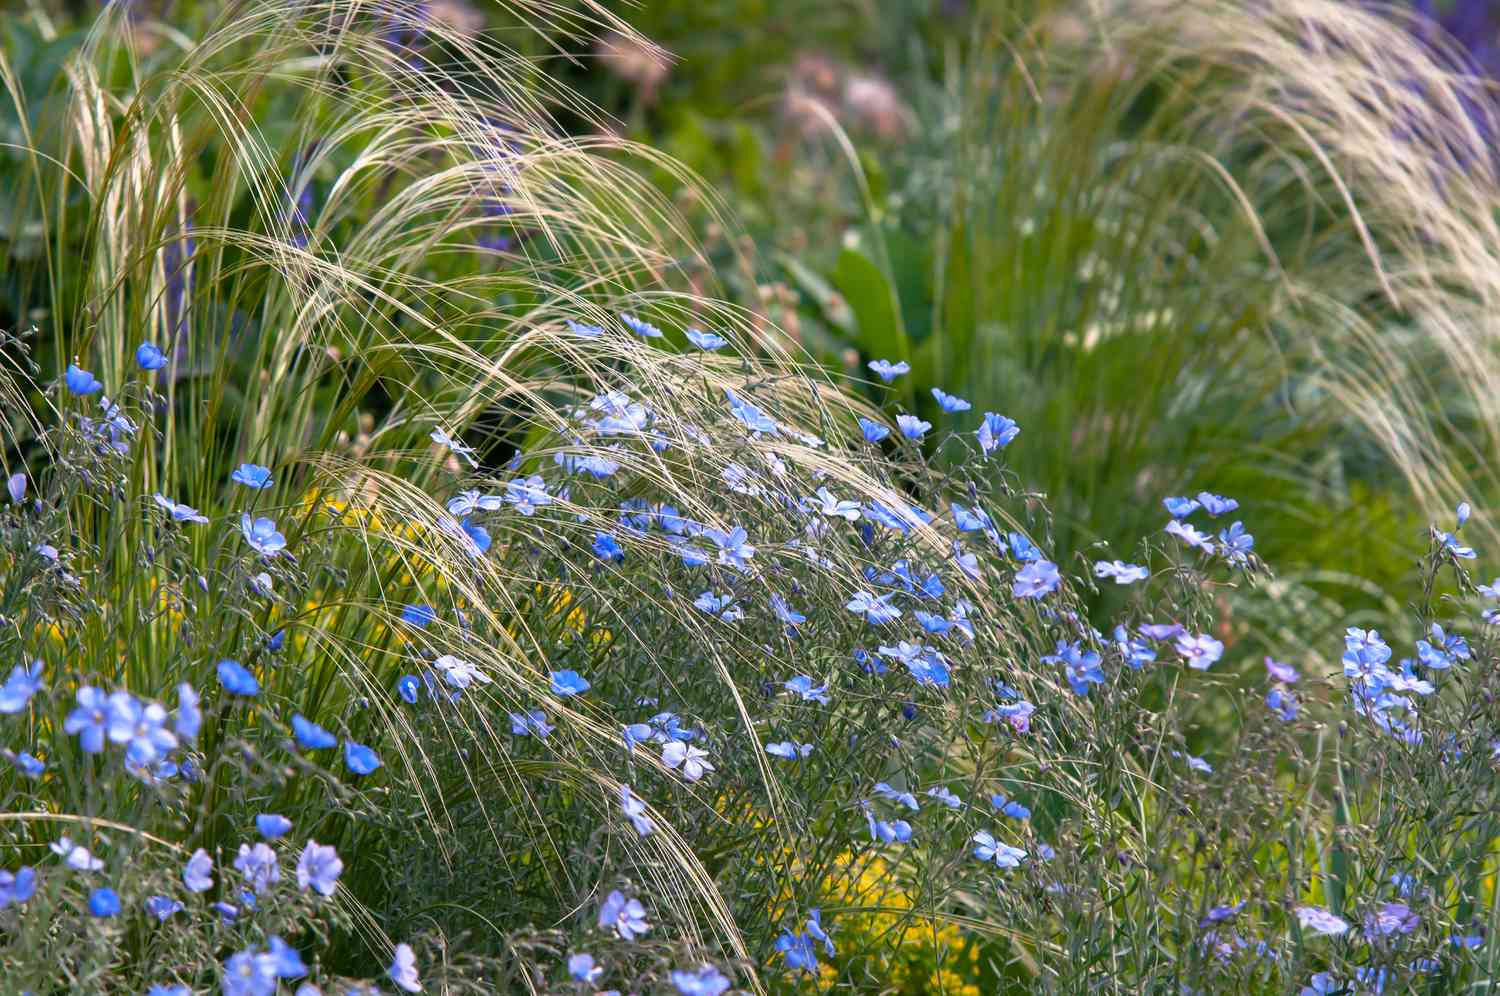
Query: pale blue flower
x=626, y=917
x=24, y=682
x=18, y=887
x=721, y=606
x=289, y=964
x=874, y=432
x=876, y=609
x=532, y=723
x=1320, y=921
x=988, y=849
x=996, y=432
x=272, y=825
x=311, y=736
x=442, y=438
x=567, y=683
x=1282, y=672
x=1216, y=506
x=806, y=689
x=178, y=511
x=15, y=485
x=162, y=907
x=1180, y=508
x=1121, y=572
x=887, y=791
x=581, y=967
x=1200, y=651
x=692, y=760
x=753, y=418
x=709, y=341
x=705, y=980
x=528, y=494
x=944, y=795
x=786, y=613
x=635, y=811
x=1010, y=807
x=734, y=549
x=1036, y=580
x=888, y=371
x=140, y=727
x=90, y=720
x=583, y=330
x=403, y=970
x=798, y=950
x=1190, y=535
x=360, y=759
x=248, y=972
x=1235, y=544
x=197, y=873
x=950, y=402
x=260, y=866
x=912, y=427
x=641, y=328
x=319, y=868
x=252, y=475
x=75, y=856
x=1282, y=703
x=237, y=679
x=262, y=536
x=788, y=749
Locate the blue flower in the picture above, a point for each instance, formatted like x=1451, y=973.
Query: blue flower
x=1080, y=667
x=103, y=902
x=272, y=825
x=319, y=868
x=1036, y=580
x=289, y=964
x=876, y=609
x=996, y=432
x=626, y=917
x=1216, y=506
x=149, y=357
x=1451, y=544
x=944, y=795
x=81, y=382
x=635, y=811
x=403, y=970
x=887, y=831
x=169, y=991
x=849, y=510
x=721, y=606
x=887, y=791
x=582, y=330
x=248, y=972
x=912, y=427
x=1190, y=535
x=753, y=418
x=15, y=485
x=950, y=402
x=178, y=511
x=197, y=873
x=442, y=438
x=608, y=548
x=528, y=494
x=140, y=727
x=874, y=432
x=1323, y=984
x=360, y=759
x=408, y=687
x=705, y=980
x=1282, y=703
x=1122, y=572
x=709, y=341
x=1235, y=544
x=237, y=680
x=259, y=865
x=162, y=907
x=1180, y=508
x=1010, y=807
x=90, y=720
x=987, y=848
x=786, y=613
x=418, y=615
x=566, y=683
x=1022, y=548
x=798, y=950
x=1200, y=651
x=641, y=328
x=532, y=723
x=262, y=536
x=803, y=687
x=189, y=717
x=252, y=475
x=24, y=682
x=18, y=887
x=27, y=765
x=788, y=749
x=734, y=550
x=888, y=371
x=311, y=736
x=581, y=967
x=1320, y=921
x=815, y=930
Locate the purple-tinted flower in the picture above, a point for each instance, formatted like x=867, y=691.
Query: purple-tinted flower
x=1036, y=580
x=626, y=917
x=1121, y=572
x=319, y=868
x=1200, y=651
x=403, y=970
x=888, y=371
x=197, y=873
x=1282, y=672
x=705, y=980
x=262, y=536
x=1320, y=921
x=996, y=432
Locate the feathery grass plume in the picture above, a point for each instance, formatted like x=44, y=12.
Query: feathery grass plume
x=1248, y=247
